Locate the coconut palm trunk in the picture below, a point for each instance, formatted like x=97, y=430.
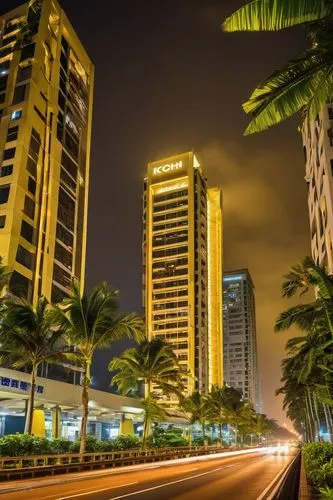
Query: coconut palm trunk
x=31, y=402
x=220, y=433
x=85, y=406
x=328, y=426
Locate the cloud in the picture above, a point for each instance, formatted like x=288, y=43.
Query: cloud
x=266, y=230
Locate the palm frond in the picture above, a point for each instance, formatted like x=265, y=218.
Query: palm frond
x=302, y=316
x=274, y=15
x=297, y=86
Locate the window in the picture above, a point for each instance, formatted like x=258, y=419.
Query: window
x=19, y=285
x=32, y=186
x=2, y=221
x=64, y=236
x=24, y=257
x=61, y=276
x=24, y=73
x=63, y=256
x=66, y=210
x=29, y=207
x=27, y=231
x=6, y=170
x=34, y=145
x=32, y=166
x=19, y=94
x=12, y=134
x=28, y=51
x=16, y=115
x=4, y=194
x=69, y=164
x=330, y=113
x=8, y=154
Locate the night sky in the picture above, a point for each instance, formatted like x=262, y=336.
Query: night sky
x=167, y=81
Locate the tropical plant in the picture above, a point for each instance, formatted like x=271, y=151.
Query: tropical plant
x=305, y=84
x=28, y=338
x=221, y=402
x=154, y=365
x=261, y=425
x=90, y=321
x=197, y=407
x=4, y=277
x=307, y=375
x=167, y=437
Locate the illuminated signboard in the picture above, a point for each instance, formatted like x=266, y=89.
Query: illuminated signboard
x=170, y=168
x=19, y=384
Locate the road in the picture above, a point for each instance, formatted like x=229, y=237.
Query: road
x=228, y=478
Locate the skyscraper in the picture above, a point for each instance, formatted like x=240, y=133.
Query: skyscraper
x=182, y=265
x=46, y=88
x=318, y=150
x=239, y=330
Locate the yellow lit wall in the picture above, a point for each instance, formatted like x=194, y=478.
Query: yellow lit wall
x=50, y=258
x=182, y=281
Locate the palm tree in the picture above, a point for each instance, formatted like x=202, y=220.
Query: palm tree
x=260, y=425
x=316, y=319
x=304, y=84
x=196, y=405
x=4, y=277
x=153, y=364
x=90, y=321
x=28, y=338
x=220, y=402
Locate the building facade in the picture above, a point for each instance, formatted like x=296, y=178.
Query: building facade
x=46, y=89
x=318, y=150
x=239, y=330
x=182, y=266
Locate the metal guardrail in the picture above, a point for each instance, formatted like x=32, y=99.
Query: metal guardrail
x=285, y=486
x=41, y=465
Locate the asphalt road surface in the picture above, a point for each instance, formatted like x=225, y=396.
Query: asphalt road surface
x=238, y=477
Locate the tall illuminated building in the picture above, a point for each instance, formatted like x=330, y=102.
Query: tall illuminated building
x=182, y=254
x=46, y=89
x=240, y=337
x=318, y=149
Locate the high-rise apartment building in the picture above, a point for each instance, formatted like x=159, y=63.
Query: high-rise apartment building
x=46, y=89
x=318, y=150
x=239, y=333
x=182, y=259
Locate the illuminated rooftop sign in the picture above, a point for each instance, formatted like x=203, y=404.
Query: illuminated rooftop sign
x=168, y=167
x=233, y=278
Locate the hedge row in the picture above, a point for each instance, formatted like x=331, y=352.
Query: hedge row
x=16, y=445
x=318, y=458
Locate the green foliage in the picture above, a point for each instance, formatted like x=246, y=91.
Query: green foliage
x=60, y=445
x=16, y=445
x=169, y=437
x=318, y=459
x=92, y=445
x=303, y=84
x=326, y=493
x=126, y=442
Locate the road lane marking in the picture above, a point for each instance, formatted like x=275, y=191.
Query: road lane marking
x=165, y=484
x=92, y=492
x=189, y=470
x=276, y=479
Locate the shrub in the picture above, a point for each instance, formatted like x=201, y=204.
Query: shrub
x=126, y=442
x=318, y=459
x=60, y=445
x=15, y=445
x=91, y=445
x=169, y=437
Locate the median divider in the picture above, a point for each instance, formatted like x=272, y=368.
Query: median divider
x=13, y=468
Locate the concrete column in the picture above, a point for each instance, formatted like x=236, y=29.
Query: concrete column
x=56, y=429
x=126, y=425
x=38, y=422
